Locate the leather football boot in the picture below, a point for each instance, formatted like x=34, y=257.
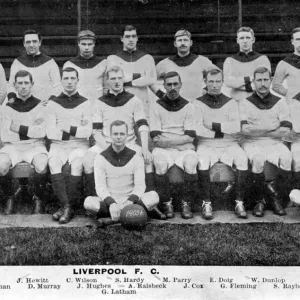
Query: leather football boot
x=9, y=207
x=276, y=203
x=67, y=215
x=168, y=209
x=240, y=209
x=38, y=209
x=56, y=216
x=155, y=213
x=186, y=212
x=207, y=211
x=259, y=209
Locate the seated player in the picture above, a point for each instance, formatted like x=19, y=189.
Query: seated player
x=218, y=126
x=117, y=104
x=265, y=120
x=23, y=135
x=69, y=125
x=172, y=125
x=119, y=177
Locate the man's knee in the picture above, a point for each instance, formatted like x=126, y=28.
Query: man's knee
x=190, y=163
x=203, y=162
x=241, y=162
x=258, y=163
x=55, y=165
x=285, y=162
x=77, y=166
x=5, y=163
x=91, y=204
x=161, y=164
x=88, y=162
x=40, y=163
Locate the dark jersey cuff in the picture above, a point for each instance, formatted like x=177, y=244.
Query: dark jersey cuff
x=97, y=125
x=11, y=95
x=248, y=84
x=191, y=133
x=73, y=130
x=154, y=133
x=216, y=127
x=65, y=136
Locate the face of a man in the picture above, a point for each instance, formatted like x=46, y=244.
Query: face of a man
x=69, y=82
x=23, y=86
x=32, y=44
x=86, y=47
x=245, y=41
x=262, y=82
x=129, y=40
x=172, y=86
x=183, y=45
x=296, y=42
x=118, y=136
x=116, y=81
x=214, y=84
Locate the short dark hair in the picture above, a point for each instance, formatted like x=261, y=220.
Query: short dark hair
x=23, y=73
x=118, y=123
x=172, y=74
x=113, y=69
x=30, y=31
x=213, y=71
x=246, y=29
x=128, y=28
x=69, y=69
x=262, y=70
x=297, y=29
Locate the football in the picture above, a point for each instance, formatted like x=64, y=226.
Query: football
x=133, y=216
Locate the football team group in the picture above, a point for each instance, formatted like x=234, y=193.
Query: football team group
x=121, y=123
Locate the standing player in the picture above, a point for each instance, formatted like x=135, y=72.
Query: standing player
x=218, y=125
x=90, y=68
x=265, y=120
x=43, y=68
x=238, y=69
x=23, y=131
x=69, y=125
x=189, y=66
x=172, y=125
x=289, y=69
x=117, y=104
x=3, y=85
x=138, y=67
x=120, y=178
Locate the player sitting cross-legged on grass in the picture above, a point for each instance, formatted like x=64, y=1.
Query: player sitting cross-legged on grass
x=218, y=127
x=23, y=133
x=172, y=128
x=119, y=178
x=265, y=121
x=69, y=125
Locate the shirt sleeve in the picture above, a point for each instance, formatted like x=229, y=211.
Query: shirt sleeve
x=155, y=121
x=97, y=118
x=100, y=178
x=13, y=70
x=190, y=121
x=234, y=123
x=54, y=76
x=52, y=132
x=139, y=115
x=201, y=130
x=139, y=176
x=279, y=76
x=86, y=130
x=284, y=115
x=3, y=85
x=149, y=76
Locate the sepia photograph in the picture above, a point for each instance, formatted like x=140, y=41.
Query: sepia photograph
x=149, y=148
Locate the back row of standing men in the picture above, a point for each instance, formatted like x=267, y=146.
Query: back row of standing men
x=182, y=72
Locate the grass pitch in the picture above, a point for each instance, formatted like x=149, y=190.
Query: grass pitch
x=166, y=244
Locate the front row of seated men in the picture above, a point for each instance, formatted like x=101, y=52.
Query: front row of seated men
x=215, y=121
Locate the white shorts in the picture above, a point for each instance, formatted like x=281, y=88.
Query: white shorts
x=66, y=153
x=173, y=156
x=273, y=152
x=150, y=200
x=23, y=153
x=97, y=149
x=231, y=155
